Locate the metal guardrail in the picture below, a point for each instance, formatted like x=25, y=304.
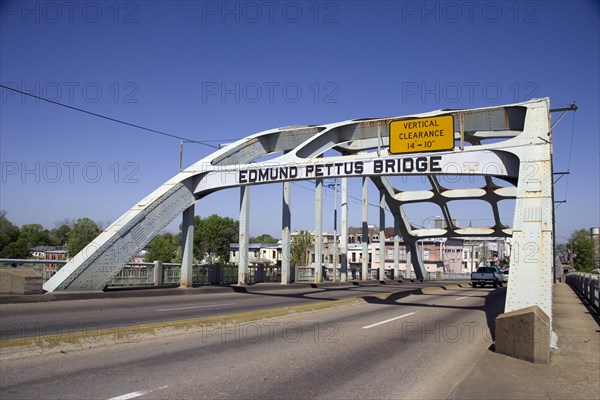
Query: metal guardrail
x=142, y=273
x=307, y=274
x=588, y=285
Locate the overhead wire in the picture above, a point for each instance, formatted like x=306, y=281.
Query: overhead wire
x=203, y=142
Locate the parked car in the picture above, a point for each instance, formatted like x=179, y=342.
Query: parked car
x=505, y=275
x=489, y=275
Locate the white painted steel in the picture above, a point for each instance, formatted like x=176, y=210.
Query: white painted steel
x=520, y=154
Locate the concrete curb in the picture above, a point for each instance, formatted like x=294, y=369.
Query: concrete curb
x=432, y=290
x=452, y=287
x=145, y=291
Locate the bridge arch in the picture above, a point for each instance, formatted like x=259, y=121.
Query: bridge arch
x=511, y=143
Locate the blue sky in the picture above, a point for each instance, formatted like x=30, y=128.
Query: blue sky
x=220, y=71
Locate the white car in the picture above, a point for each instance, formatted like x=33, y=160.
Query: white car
x=505, y=275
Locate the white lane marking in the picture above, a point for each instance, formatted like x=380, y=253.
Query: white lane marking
x=128, y=396
x=460, y=298
x=386, y=321
x=204, y=306
x=133, y=395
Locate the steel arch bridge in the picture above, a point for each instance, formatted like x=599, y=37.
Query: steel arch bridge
x=511, y=143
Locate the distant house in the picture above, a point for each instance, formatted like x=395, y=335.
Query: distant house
x=51, y=253
x=447, y=255
x=140, y=257
x=258, y=253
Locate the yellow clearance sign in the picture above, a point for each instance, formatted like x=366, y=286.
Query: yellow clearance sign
x=422, y=135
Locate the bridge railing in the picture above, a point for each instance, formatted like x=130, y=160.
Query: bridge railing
x=307, y=274
x=142, y=273
x=588, y=285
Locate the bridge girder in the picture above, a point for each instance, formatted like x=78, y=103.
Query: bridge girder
x=519, y=154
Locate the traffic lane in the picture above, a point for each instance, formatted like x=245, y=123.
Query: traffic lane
x=325, y=354
x=40, y=319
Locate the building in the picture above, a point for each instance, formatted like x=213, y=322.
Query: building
x=258, y=254
x=438, y=255
x=355, y=235
x=445, y=255
x=51, y=253
x=485, y=251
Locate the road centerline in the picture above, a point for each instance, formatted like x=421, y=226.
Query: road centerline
x=191, y=307
x=387, y=320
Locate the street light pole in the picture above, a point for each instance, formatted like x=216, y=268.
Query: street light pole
x=181, y=152
x=335, y=213
x=335, y=242
x=180, y=155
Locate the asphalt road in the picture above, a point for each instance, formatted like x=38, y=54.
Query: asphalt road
x=46, y=318
x=419, y=346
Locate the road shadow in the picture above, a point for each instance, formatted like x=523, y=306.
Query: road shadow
x=493, y=305
x=312, y=292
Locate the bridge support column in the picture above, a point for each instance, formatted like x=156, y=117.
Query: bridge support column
x=417, y=262
x=344, y=233
x=286, y=219
x=396, y=247
x=244, y=234
x=318, y=230
x=365, y=229
x=187, y=247
x=381, y=235
x=158, y=273
x=408, y=271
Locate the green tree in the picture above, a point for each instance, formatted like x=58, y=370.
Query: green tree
x=83, y=232
x=212, y=237
x=162, y=248
x=8, y=233
x=16, y=249
x=264, y=238
x=301, y=244
x=583, y=249
x=60, y=234
x=36, y=235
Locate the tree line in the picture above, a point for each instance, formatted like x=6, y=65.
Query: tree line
x=73, y=235
x=212, y=237
x=579, y=250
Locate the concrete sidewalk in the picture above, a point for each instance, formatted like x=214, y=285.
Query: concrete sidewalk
x=573, y=372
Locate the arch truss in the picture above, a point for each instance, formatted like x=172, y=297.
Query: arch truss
x=509, y=144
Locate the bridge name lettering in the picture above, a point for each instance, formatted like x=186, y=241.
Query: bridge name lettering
x=348, y=168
